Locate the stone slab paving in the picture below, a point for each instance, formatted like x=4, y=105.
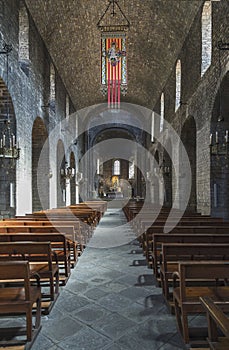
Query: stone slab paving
x=111, y=301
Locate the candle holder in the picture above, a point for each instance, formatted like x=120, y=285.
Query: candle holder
x=221, y=146
x=8, y=147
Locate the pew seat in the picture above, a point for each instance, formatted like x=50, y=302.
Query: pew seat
x=187, y=298
x=43, y=262
x=172, y=253
x=17, y=300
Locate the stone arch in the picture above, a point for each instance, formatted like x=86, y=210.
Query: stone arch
x=219, y=169
x=39, y=137
x=188, y=138
x=7, y=166
x=61, y=182
x=103, y=182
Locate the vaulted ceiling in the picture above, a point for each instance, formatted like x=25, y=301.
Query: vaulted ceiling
x=156, y=35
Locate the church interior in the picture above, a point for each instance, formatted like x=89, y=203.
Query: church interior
x=114, y=174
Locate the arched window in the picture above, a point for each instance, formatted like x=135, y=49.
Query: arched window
x=162, y=112
x=131, y=170
x=98, y=166
x=116, y=167
x=206, y=36
x=23, y=53
x=178, y=85
x=67, y=107
x=153, y=127
x=52, y=86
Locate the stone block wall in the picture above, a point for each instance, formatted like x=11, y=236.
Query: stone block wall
x=197, y=98
x=29, y=87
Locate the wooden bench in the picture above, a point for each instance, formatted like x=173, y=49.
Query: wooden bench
x=68, y=231
x=172, y=253
x=42, y=261
x=18, y=299
x=186, y=298
x=217, y=319
x=159, y=239
x=59, y=245
x=81, y=232
x=82, y=229
x=152, y=250
x=146, y=222
x=148, y=226
x=88, y=216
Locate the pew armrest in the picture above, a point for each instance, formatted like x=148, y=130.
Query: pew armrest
x=176, y=278
x=216, y=314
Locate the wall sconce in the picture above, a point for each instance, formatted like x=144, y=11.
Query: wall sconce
x=50, y=174
x=165, y=170
x=219, y=147
x=219, y=140
x=150, y=176
x=67, y=173
x=9, y=148
x=79, y=177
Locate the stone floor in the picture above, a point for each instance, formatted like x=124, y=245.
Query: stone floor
x=111, y=301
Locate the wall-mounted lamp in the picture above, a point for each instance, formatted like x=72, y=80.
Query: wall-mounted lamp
x=219, y=140
x=50, y=174
x=9, y=148
x=150, y=176
x=79, y=177
x=67, y=172
x=165, y=170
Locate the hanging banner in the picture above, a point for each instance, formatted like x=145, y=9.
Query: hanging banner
x=113, y=66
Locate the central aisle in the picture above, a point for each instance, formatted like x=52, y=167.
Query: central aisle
x=110, y=301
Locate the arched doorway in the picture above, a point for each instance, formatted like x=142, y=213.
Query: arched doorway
x=7, y=165
x=61, y=182
x=40, y=182
x=188, y=138
x=116, y=176
x=219, y=178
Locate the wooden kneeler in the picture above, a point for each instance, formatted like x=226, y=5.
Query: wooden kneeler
x=18, y=297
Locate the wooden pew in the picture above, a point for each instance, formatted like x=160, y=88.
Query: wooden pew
x=143, y=223
x=194, y=230
x=18, y=299
x=186, y=298
x=217, y=319
x=159, y=239
x=60, y=247
x=172, y=253
x=42, y=261
x=36, y=227
x=88, y=216
x=139, y=213
x=81, y=231
x=147, y=225
x=98, y=205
